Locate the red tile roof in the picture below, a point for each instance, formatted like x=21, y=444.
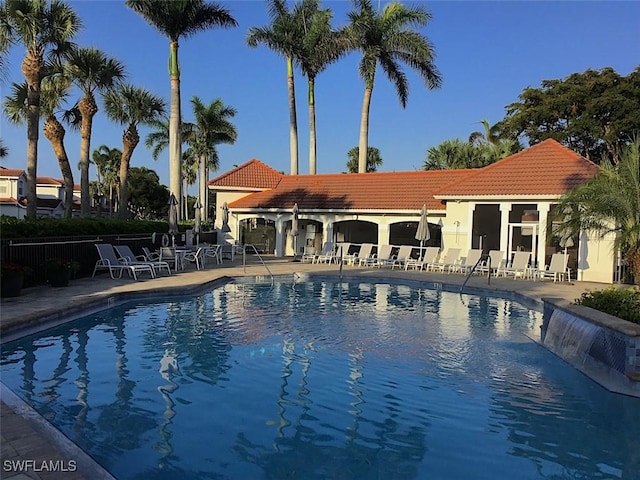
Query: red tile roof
x=251, y=175
x=48, y=181
x=547, y=168
x=10, y=172
x=355, y=191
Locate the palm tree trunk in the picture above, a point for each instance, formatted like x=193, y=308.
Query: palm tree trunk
x=363, y=144
x=293, y=119
x=54, y=132
x=129, y=141
x=202, y=184
x=633, y=257
x=312, y=127
x=175, y=142
x=88, y=108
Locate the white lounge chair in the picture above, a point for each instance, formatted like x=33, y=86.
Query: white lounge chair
x=131, y=258
x=557, y=268
x=519, y=266
x=465, y=266
x=449, y=261
x=365, y=255
x=404, y=254
x=109, y=261
x=430, y=256
x=496, y=257
x=326, y=255
x=384, y=257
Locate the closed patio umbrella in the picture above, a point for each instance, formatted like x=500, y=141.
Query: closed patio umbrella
x=173, y=218
x=422, y=233
x=294, y=228
x=197, y=224
x=225, y=218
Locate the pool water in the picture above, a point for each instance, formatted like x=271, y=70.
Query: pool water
x=324, y=381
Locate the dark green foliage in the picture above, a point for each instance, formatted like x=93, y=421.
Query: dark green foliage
x=11, y=227
x=622, y=303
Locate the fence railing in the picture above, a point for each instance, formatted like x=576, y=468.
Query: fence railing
x=33, y=252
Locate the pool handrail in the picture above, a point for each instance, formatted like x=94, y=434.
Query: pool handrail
x=255, y=250
x=485, y=257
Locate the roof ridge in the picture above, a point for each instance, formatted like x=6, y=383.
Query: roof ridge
x=246, y=165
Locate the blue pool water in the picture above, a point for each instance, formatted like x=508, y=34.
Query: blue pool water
x=324, y=381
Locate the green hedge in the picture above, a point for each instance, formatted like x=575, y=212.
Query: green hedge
x=11, y=227
x=622, y=302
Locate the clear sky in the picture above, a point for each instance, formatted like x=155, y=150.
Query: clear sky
x=487, y=53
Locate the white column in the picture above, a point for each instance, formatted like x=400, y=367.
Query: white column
x=505, y=209
x=383, y=233
x=328, y=230
x=543, y=211
x=279, y=252
x=472, y=209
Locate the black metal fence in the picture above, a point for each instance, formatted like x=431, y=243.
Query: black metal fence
x=33, y=252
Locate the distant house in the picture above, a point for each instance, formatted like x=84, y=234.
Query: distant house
x=13, y=186
x=504, y=206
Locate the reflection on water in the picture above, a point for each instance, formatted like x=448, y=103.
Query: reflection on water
x=324, y=380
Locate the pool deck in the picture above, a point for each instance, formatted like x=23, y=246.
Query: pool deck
x=26, y=436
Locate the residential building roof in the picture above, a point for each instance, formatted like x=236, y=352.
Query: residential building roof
x=355, y=191
x=547, y=168
x=252, y=175
x=10, y=172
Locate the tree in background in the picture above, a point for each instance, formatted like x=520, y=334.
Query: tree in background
x=47, y=30
x=454, y=154
x=148, y=199
x=90, y=70
x=595, y=113
x=4, y=151
x=374, y=160
x=53, y=91
x=388, y=38
x=107, y=162
x=175, y=19
x=609, y=202
x=496, y=140
x=130, y=106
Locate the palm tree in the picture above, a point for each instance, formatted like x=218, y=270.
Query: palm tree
x=494, y=138
x=130, y=106
x=54, y=90
x=175, y=19
x=374, y=160
x=387, y=38
x=106, y=161
x=283, y=36
x=189, y=176
x=4, y=151
x=212, y=127
x=320, y=46
x=46, y=29
x=609, y=203
x=90, y=70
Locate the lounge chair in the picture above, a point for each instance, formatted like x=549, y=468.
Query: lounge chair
x=131, y=258
x=326, y=255
x=109, y=261
x=557, y=268
x=365, y=256
x=341, y=252
x=449, y=261
x=404, y=254
x=519, y=266
x=470, y=261
x=430, y=256
x=496, y=257
x=384, y=257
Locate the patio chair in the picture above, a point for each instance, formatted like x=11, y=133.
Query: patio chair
x=341, y=252
x=519, y=266
x=404, y=254
x=150, y=256
x=496, y=259
x=384, y=257
x=325, y=254
x=449, y=261
x=557, y=268
x=430, y=256
x=213, y=252
x=196, y=257
x=465, y=266
x=130, y=258
x=109, y=261
x=365, y=256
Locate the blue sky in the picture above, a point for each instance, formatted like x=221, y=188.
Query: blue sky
x=487, y=53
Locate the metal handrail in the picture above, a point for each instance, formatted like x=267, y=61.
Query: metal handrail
x=482, y=258
x=341, y=261
x=244, y=260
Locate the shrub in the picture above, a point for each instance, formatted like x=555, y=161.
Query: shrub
x=61, y=264
x=623, y=303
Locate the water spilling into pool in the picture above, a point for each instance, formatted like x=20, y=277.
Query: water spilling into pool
x=324, y=380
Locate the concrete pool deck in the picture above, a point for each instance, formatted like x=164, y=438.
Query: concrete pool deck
x=26, y=437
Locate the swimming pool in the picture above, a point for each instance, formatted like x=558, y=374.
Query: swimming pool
x=323, y=380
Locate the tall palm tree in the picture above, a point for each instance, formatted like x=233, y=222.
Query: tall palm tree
x=54, y=90
x=212, y=127
x=388, y=38
x=90, y=70
x=175, y=19
x=130, y=106
x=609, y=203
x=320, y=46
x=494, y=138
x=283, y=36
x=4, y=151
x=107, y=161
x=374, y=160
x=189, y=176
x=46, y=29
